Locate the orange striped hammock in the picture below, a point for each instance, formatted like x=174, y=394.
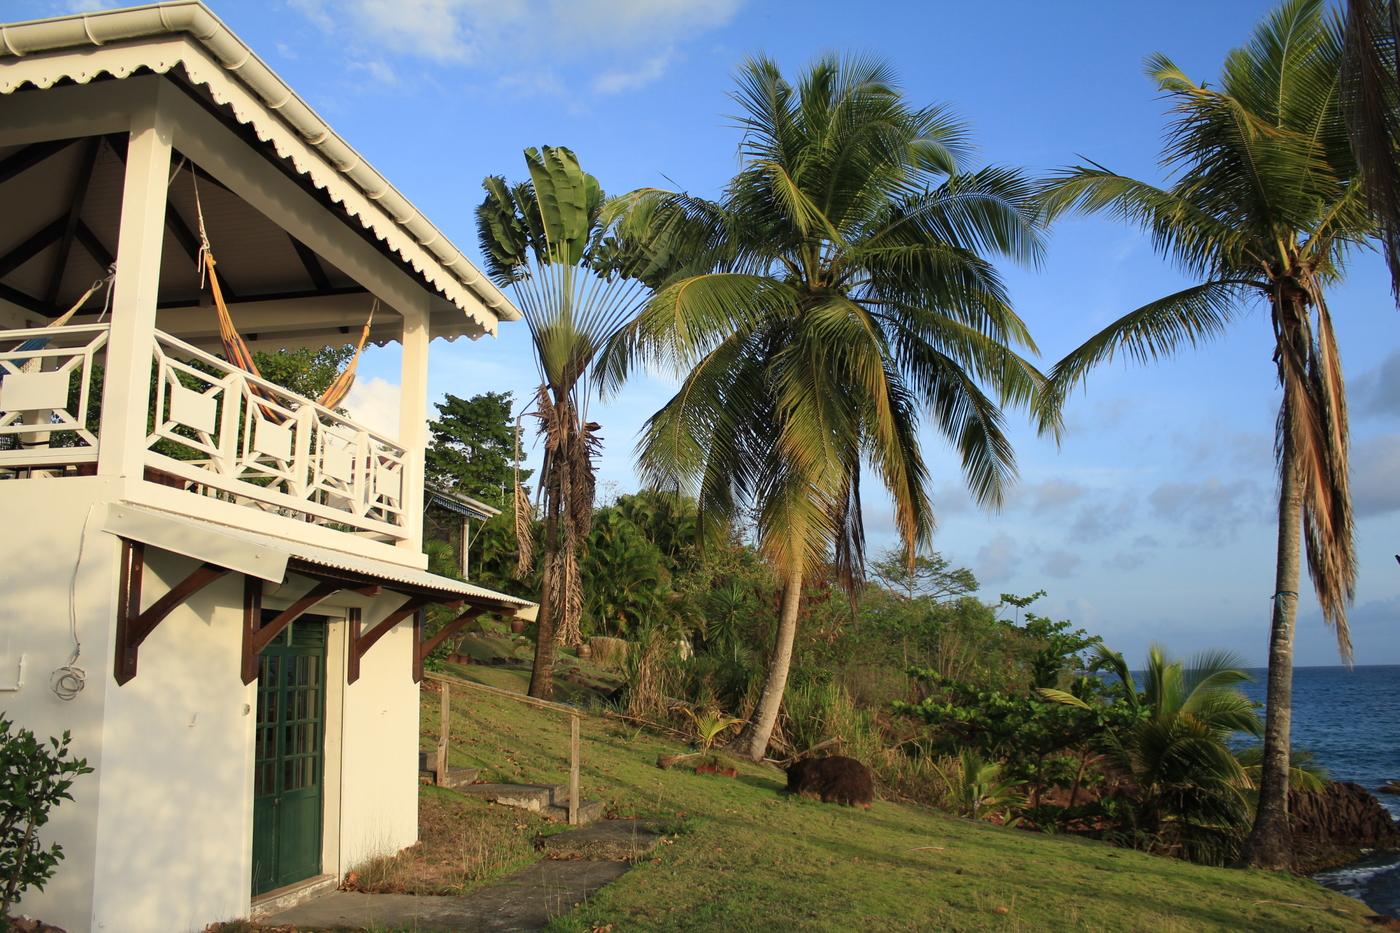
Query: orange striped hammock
x=236, y=350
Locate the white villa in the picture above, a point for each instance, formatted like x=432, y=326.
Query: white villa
x=215, y=584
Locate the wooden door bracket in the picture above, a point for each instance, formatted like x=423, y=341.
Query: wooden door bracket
x=135, y=624
x=257, y=634
x=361, y=641
x=426, y=646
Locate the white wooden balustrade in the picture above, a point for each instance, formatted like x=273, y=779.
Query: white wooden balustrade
x=48, y=396
x=213, y=430
x=228, y=434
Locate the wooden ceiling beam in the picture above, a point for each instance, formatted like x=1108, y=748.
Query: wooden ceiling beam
x=75, y=213
x=312, y=263
x=30, y=156
x=35, y=243
x=95, y=248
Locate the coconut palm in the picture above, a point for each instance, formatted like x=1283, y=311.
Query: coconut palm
x=1263, y=208
x=548, y=241
x=1371, y=94
x=1190, y=789
x=840, y=292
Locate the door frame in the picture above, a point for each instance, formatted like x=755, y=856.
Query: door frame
x=329, y=675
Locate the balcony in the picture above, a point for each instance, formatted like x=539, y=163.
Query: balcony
x=220, y=443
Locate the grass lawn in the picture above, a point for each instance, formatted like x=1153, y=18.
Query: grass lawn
x=746, y=857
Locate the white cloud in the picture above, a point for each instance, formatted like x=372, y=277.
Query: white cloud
x=997, y=559
x=1061, y=564
x=1212, y=510
x=1377, y=392
x=614, y=82
x=521, y=39
x=375, y=404
x=1375, y=475
x=379, y=70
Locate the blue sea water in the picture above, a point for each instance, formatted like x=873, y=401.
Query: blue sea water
x=1350, y=720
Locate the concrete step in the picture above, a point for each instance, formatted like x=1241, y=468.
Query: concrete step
x=608, y=840
x=532, y=797
x=456, y=777
x=589, y=811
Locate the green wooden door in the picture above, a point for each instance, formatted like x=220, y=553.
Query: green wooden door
x=288, y=761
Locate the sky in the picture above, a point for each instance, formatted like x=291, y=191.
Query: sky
x=1152, y=520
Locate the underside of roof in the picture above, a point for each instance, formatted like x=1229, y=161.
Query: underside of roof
x=186, y=42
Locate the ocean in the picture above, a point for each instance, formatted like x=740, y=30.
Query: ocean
x=1350, y=720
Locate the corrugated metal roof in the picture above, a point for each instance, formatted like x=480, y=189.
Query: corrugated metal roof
x=270, y=557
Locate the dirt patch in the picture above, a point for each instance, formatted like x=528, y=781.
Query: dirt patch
x=462, y=843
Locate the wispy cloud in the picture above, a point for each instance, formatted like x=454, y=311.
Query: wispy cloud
x=614, y=82
x=375, y=403
x=1377, y=391
x=612, y=45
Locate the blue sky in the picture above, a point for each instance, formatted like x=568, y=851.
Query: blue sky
x=1152, y=520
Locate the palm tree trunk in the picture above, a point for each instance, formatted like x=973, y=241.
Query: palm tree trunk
x=1270, y=843
x=542, y=675
x=776, y=683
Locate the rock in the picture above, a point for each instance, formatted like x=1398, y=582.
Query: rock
x=1390, y=787
x=834, y=779
x=1332, y=826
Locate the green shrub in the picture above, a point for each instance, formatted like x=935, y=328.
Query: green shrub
x=34, y=777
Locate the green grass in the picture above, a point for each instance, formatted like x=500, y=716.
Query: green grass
x=750, y=858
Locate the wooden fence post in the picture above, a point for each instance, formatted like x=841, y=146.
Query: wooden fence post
x=573, y=770
x=444, y=725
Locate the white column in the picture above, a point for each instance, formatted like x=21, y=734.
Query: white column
x=413, y=420
x=126, y=393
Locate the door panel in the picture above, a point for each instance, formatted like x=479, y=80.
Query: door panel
x=288, y=768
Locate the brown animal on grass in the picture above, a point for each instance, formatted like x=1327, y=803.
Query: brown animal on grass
x=834, y=779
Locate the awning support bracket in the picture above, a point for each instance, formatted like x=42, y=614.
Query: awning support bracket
x=426, y=646
x=361, y=641
x=257, y=634
x=133, y=624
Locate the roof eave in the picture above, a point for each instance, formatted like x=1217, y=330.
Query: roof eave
x=192, y=18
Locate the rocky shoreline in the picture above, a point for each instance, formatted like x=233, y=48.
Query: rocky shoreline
x=1340, y=824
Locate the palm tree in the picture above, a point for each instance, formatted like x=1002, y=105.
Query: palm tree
x=1190, y=787
x=838, y=292
x=548, y=240
x=1264, y=207
x=1371, y=94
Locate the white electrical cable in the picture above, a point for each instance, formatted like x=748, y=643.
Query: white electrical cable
x=68, y=681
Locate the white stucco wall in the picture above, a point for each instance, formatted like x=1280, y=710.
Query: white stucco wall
x=44, y=520
x=379, y=738
x=160, y=836
x=175, y=822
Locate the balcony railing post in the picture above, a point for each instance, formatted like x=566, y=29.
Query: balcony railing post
x=131, y=345
x=413, y=423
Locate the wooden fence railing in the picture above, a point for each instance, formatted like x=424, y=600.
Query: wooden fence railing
x=445, y=685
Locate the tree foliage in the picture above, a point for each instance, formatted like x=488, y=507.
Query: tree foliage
x=34, y=778
x=838, y=293
x=472, y=448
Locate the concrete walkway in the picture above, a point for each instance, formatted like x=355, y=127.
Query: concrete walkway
x=527, y=900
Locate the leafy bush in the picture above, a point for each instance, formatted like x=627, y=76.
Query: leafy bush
x=34, y=777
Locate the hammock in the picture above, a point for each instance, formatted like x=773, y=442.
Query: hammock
x=236, y=350
x=34, y=344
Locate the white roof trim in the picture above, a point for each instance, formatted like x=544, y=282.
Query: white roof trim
x=138, y=31
x=266, y=557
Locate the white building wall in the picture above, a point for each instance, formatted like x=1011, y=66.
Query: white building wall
x=176, y=806
x=160, y=836
x=379, y=763
x=39, y=546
